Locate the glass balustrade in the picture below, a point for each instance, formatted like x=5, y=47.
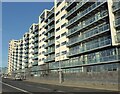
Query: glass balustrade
x=117, y=22
x=116, y=6
x=86, y=11
x=91, y=46
x=90, y=33
x=88, y=22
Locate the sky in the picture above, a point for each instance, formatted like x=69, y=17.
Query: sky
x=17, y=17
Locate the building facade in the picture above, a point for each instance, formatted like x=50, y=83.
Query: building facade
x=11, y=56
x=74, y=36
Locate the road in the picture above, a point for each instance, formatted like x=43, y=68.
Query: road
x=21, y=87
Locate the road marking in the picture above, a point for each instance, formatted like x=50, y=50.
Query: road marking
x=44, y=88
x=16, y=88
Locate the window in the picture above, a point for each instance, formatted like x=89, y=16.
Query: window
x=57, y=46
x=64, y=52
x=63, y=25
x=58, y=29
x=63, y=43
x=58, y=3
x=57, y=13
x=63, y=34
x=57, y=21
x=63, y=16
x=57, y=37
x=63, y=8
x=43, y=32
x=43, y=39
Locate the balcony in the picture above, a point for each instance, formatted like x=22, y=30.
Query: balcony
x=26, y=61
x=26, y=65
x=50, y=51
x=36, y=45
x=36, y=34
x=51, y=28
x=50, y=59
x=70, y=4
x=35, y=51
x=86, y=13
x=36, y=40
x=94, y=46
x=35, y=63
x=88, y=23
x=50, y=14
x=117, y=37
x=46, y=46
x=90, y=34
x=46, y=53
x=50, y=21
x=51, y=43
x=116, y=6
x=35, y=57
x=50, y=36
x=26, y=46
x=117, y=23
x=77, y=7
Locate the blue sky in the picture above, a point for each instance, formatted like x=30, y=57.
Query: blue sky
x=16, y=19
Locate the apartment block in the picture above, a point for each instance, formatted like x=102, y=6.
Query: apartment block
x=75, y=36
x=92, y=37
x=25, y=59
x=12, y=50
x=50, y=38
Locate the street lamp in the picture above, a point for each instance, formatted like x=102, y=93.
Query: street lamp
x=60, y=70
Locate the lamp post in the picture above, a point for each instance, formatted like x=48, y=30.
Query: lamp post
x=60, y=70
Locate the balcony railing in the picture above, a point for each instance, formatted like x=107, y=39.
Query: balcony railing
x=51, y=27
x=35, y=63
x=51, y=35
x=90, y=47
x=117, y=22
x=49, y=51
x=88, y=10
x=117, y=37
x=88, y=22
x=116, y=6
x=35, y=56
x=50, y=43
x=50, y=59
x=91, y=33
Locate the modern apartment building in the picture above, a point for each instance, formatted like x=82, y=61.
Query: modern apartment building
x=92, y=37
x=74, y=36
x=25, y=58
x=33, y=47
x=50, y=38
x=11, y=56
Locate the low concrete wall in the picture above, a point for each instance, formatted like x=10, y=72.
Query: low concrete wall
x=102, y=80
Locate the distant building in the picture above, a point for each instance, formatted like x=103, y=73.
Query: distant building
x=4, y=70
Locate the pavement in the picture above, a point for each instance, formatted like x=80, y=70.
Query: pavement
x=11, y=86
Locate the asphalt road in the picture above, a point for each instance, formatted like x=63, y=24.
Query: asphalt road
x=21, y=87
